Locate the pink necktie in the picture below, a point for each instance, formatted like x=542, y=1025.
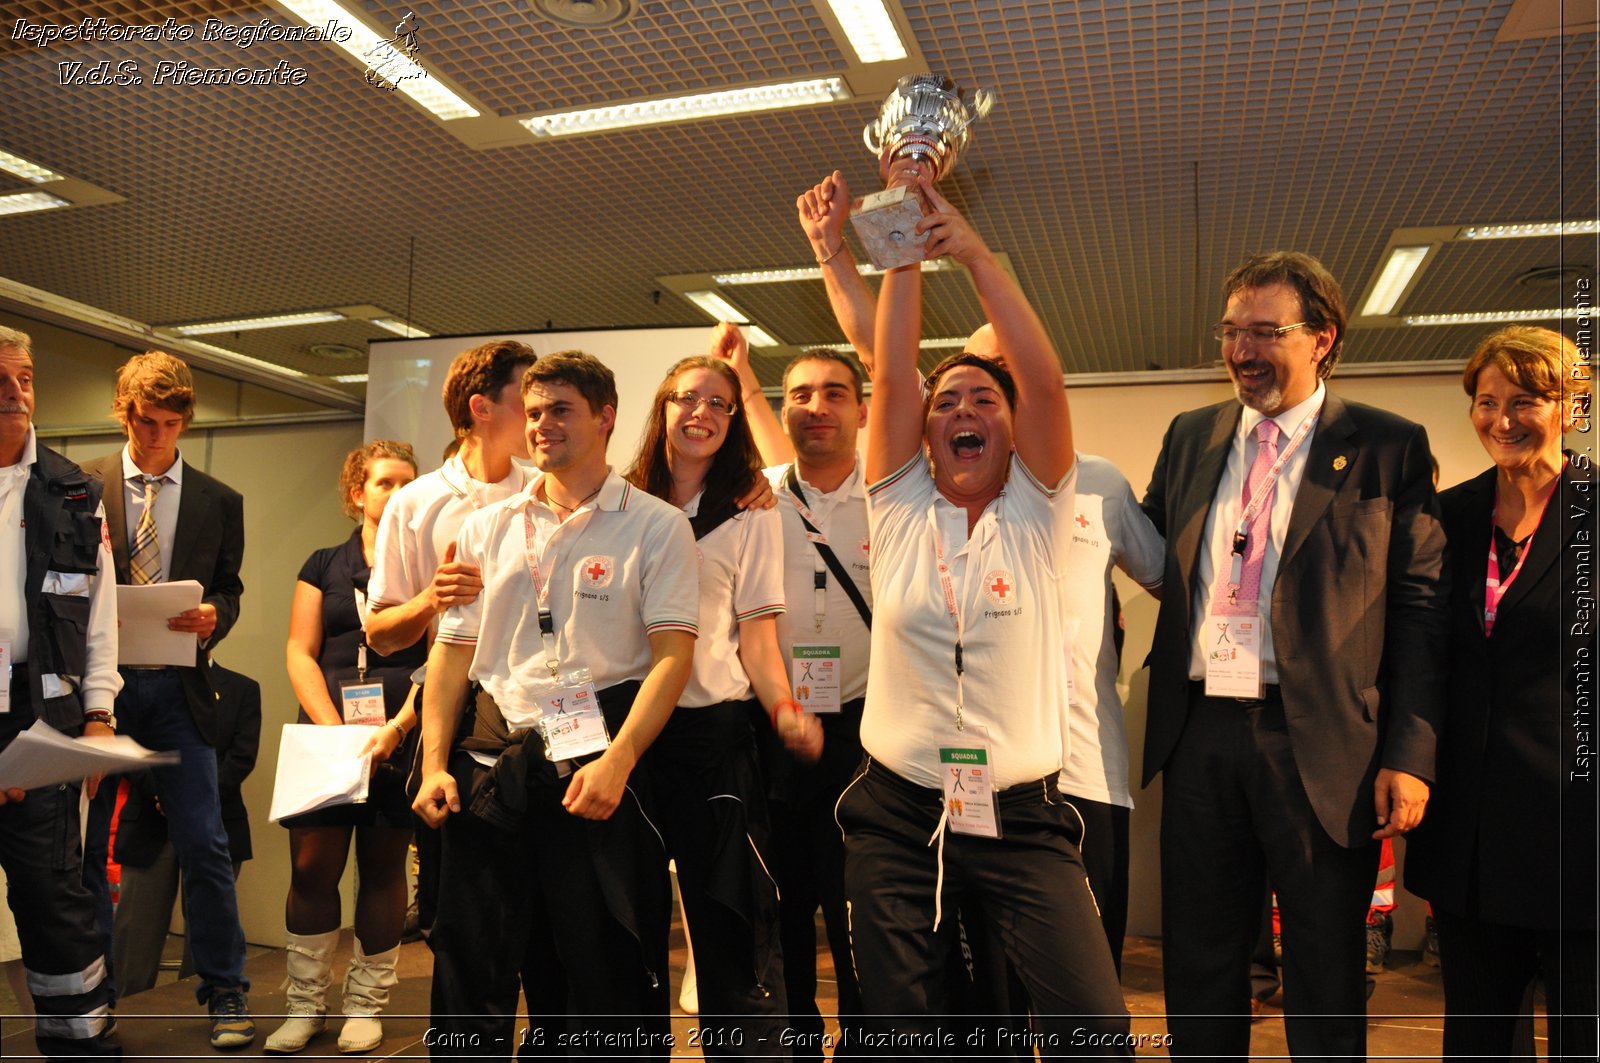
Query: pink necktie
x=1255, y=553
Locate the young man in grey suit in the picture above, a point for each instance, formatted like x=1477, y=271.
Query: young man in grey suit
x=1296, y=669
x=169, y=521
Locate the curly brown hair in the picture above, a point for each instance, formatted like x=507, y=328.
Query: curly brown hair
x=1540, y=362
x=359, y=460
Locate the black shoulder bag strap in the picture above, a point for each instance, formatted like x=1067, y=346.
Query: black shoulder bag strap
x=792, y=482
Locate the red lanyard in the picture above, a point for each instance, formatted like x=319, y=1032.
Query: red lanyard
x=1494, y=588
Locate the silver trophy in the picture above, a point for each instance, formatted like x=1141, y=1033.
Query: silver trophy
x=924, y=122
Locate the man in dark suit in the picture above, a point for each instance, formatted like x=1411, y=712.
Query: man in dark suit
x=169, y=521
x=150, y=876
x=1295, y=673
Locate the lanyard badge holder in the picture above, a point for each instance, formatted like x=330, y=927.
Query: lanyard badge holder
x=569, y=716
x=816, y=668
x=361, y=702
x=566, y=707
x=966, y=769
x=1233, y=639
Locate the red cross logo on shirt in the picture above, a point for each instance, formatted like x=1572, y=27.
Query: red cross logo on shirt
x=597, y=571
x=1083, y=522
x=1000, y=587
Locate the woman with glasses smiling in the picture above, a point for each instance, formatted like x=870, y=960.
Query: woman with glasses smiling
x=698, y=454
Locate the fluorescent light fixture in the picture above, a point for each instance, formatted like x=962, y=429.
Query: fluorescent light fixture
x=1491, y=317
x=273, y=367
x=244, y=324
x=349, y=378
x=935, y=343
x=1397, y=273
x=27, y=202
x=1536, y=228
x=688, y=108
x=759, y=337
x=16, y=164
x=814, y=273
x=718, y=307
x=870, y=30
x=399, y=328
x=406, y=75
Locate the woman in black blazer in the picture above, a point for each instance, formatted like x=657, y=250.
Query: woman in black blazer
x=1507, y=852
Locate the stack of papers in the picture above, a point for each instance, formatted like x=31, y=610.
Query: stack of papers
x=319, y=767
x=43, y=756
x=143, y=638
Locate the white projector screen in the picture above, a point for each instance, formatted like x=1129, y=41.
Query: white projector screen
x=405, y=379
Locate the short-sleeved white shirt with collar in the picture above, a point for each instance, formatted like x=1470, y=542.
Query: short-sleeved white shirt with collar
x=1108, y=528
x=421, y=520
x=620, y=568
x=741, y=578
x=841, y=516
x=1006, y=578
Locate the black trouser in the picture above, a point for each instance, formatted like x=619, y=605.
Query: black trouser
x=1488, y=968
x=808, y=862
x=62, y=953
x=1035, y=902
x=713, y=816
x=1104, y=846
x=540, y=904
x=1234, y=815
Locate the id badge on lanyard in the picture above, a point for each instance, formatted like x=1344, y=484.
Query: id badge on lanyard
x=966, y=774
x=966, y=768
x=570, y=721
x=814, y=676
x=1233, y=657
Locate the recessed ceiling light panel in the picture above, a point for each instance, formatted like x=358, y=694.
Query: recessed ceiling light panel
x=688, y=108
x=244, y=324
x=1533, y=228
x=1495, y=317
x=869, y=29
x=27, y=202
x=718, y=307
x=28, y=171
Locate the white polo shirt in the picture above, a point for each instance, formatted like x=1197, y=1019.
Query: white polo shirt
x=1007, y=583
x=841, y=516
x=421, y=520
x=1108, y=528
x=741, y=578
x=620, y=568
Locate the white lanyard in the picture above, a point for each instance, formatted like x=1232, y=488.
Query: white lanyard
x=541, y=590
x=953, y=608
x=1241, y=537
x=361, y=647
x=819, y=594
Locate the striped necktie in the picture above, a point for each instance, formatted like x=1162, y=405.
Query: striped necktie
x=145, y=564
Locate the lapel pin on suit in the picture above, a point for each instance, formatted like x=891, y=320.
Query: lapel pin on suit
x=1339, y=463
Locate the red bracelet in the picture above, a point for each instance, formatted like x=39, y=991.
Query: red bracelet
x=793, y=704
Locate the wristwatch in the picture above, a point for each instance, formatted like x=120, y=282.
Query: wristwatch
x=105, y=716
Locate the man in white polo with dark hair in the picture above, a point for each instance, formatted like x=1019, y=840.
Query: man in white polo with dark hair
x=588, y=611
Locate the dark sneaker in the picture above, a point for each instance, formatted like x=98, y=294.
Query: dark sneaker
x=1380, y=931
x=231, y=1025
x=1430, y=947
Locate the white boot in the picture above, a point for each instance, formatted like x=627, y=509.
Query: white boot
x=366, y=994
x=309, y=975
